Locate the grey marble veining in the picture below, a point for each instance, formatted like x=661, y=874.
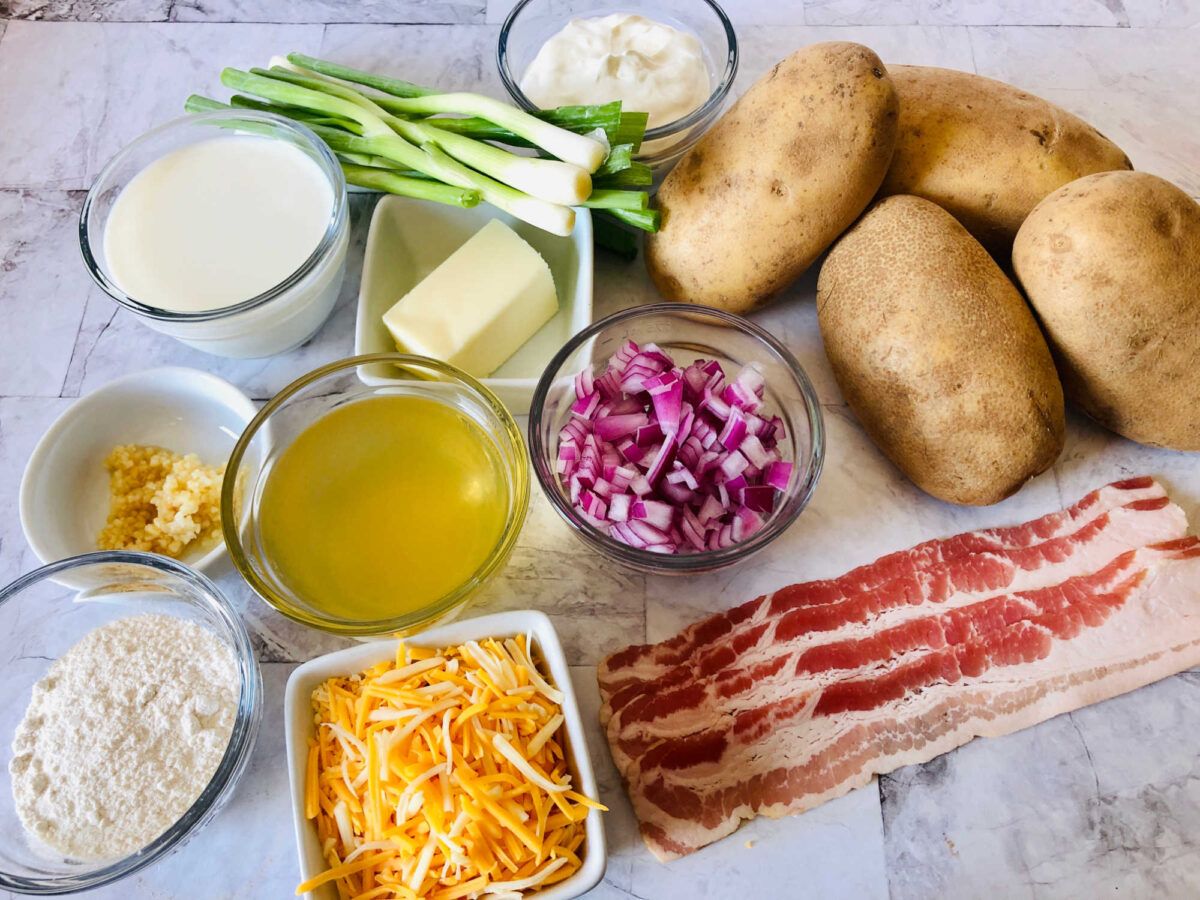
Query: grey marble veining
x=1105, y=802
x=87, y=10
x=325, y=11
x=1063, y=810
x=318, y=11
x=1163, y=13
x=1026, y=12
x=43, y=287
x=107, y=83
x=1138, y=91
x=454, y=58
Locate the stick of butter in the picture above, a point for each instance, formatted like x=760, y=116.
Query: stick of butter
x=478, y=307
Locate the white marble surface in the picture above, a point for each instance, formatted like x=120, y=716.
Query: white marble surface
x=1105, y=802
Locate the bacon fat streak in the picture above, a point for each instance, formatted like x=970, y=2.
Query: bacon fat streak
x=801, y=695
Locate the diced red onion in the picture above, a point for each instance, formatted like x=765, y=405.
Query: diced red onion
x=666, y=393
x=585, y=407
x=734, y=432
x=648, y=435
x=618, y=507
x=758, y=497
x=669, y=459
x=609, y=385
x=751, y=448
x=655, y=512
x=662, y=459
x=679, y=494
x=648, y=532
x=585, y=383
x=778, y=475
x=621, y=477
x=733, y=464
x=713, y=404
x=613, y=428
x=680, y=475
x=735, y=486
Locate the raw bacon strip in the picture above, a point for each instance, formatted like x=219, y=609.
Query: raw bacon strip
x=646, y=662
x=695, y=706
x=833, y=708
x=747, y=649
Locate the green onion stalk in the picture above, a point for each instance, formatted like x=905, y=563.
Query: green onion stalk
x=455, y=148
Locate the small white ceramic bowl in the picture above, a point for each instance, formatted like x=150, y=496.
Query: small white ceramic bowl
x=410, y=238
x=298, y=722
x=64, y=491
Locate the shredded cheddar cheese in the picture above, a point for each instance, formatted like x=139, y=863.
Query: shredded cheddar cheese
x=442, y=775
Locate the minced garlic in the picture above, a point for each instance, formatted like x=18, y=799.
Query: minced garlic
x=160, y=501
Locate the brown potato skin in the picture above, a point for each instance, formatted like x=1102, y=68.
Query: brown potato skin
x=1111, y=264
x=938, y=355
x=987, y=152
x=774, y=182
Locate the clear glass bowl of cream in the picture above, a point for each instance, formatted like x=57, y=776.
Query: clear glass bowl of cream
x=225, y=230
x=675, y=59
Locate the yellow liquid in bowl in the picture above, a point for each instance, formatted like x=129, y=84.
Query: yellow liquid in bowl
x=383, y=506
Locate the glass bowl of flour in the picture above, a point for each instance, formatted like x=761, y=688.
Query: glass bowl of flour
x=131, y=704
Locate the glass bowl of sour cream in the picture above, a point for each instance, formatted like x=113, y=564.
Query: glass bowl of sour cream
x=673, y=59
x=225, y=230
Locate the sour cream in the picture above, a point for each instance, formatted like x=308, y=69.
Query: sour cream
x=216, y=222
x=650, y=67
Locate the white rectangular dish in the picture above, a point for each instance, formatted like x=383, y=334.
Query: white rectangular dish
x=298, y=723
x=410, y=238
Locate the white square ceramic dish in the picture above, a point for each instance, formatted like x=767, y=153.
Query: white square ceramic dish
x=410, y=238
x=298, y=723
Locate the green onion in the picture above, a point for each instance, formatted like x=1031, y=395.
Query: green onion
x=637, y=175
x=585, y=152
x=631, y=130
x=647, y=220
x=400, y=137
x=199, y=104
x=345, y=73
x=633, y=201
x=393, y=183
x=547, y=179
x=378, y=139
x=620, y=157
x=614, y=237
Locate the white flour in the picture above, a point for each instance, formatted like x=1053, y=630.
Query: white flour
x=122, y=735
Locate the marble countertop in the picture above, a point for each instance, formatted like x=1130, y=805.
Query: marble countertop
x=1102, y=802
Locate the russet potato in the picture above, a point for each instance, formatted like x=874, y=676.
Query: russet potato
x=987, y=152
x=774, y=182
x=938, y=355
x=1111, y=265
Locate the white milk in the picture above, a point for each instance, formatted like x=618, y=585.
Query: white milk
x=217, y=222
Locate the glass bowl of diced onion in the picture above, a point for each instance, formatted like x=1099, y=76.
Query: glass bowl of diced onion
x=687, y=371
x=45, y=613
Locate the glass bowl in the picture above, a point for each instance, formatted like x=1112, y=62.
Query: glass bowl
x=274, y=321
x=532, y=22
x=686, y=332
x=41, y=619
x=313, y=396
